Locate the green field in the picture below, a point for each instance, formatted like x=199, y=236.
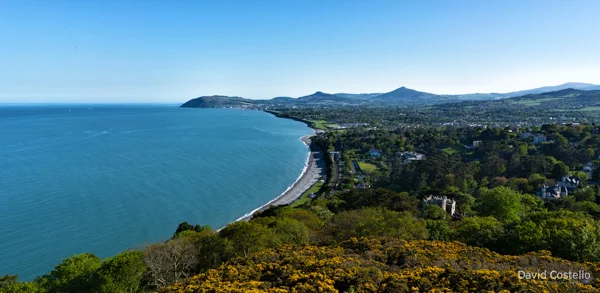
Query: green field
x=319, y=124
x=322, y=124
x=590, y=109
x=449, y=151
x=304, y=197
x=367, y=168
x=534, y=102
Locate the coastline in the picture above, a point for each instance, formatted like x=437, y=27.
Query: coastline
x=314, y=170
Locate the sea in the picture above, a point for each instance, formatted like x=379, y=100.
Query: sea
x=106, y=178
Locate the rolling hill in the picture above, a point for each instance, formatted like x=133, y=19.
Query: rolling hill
x=405, y=95
x=546, y=89
x=216, y=102
x=563, y=99
x=398, y=97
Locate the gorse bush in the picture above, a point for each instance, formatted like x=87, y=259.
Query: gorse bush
x=385, y=265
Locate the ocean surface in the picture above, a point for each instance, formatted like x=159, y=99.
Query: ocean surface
x=105, y=178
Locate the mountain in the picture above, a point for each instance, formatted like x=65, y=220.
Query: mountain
x=397, y=97
x=357, y=96
x=325, y=98
x=591, y=88
x=557, y=101
x=282, y=100
x=565, y=98
x=216, y=102
x=546, y=89
x=406, y=95
x=414, y=96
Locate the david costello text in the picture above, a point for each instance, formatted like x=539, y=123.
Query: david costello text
x=580, y=275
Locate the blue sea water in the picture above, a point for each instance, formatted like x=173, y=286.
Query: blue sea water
x=105, y=178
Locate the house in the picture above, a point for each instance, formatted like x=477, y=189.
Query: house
x=447, y=204
x=407, y=157
x=562, y=188
x=570, y=182
x=476, y=143
x=374, y=153
x=552, y=192
x=539, y=138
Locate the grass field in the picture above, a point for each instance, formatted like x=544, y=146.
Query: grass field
x=304, y=197
x=319, y=124
x=367, y=168
x=534, y=102
x=449, y=151
x=322, y=124
x=590, y=109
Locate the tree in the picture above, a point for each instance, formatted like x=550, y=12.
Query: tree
x=532, y=203
x=373, y=222
x=122, y=273
x=492, y=165
x=501, y=202
x=559, y=170
x=403, y=202
x=585, y=194
x=322, y=212
x=8, y=280
x=185, y=226
x=170, y=262
x=248, y=237
x=560, y=140
x=355, y=199
x=464, y=203
x=520, y=184
x=213, y=250
x=596, y=174
x=480, y=231
x=586, y=207
x=74, y=274
x=569, y=235
x=22, y=287
x=291, y=231
x=439, y=230
x=536, y=180
x=306, y=217
x=433, y=212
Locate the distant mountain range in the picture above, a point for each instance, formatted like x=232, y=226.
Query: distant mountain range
x=400, y=96
x=564, y=99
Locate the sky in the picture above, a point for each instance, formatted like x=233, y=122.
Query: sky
x=171, y=51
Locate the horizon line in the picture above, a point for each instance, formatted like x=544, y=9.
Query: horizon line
x=162, y=102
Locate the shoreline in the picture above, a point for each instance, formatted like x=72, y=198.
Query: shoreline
x=313, y=171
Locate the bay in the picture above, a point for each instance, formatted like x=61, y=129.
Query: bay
x=105, y=178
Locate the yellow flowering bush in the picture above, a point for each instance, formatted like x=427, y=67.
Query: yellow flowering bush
x=386, y=265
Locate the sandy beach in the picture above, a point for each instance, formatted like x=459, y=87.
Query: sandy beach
x=312, y=173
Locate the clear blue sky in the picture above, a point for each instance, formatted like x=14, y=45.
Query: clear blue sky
x=136, y=51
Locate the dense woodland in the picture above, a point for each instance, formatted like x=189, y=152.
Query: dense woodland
x=382, y=237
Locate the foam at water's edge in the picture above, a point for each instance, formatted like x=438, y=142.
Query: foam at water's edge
x=306, y=163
